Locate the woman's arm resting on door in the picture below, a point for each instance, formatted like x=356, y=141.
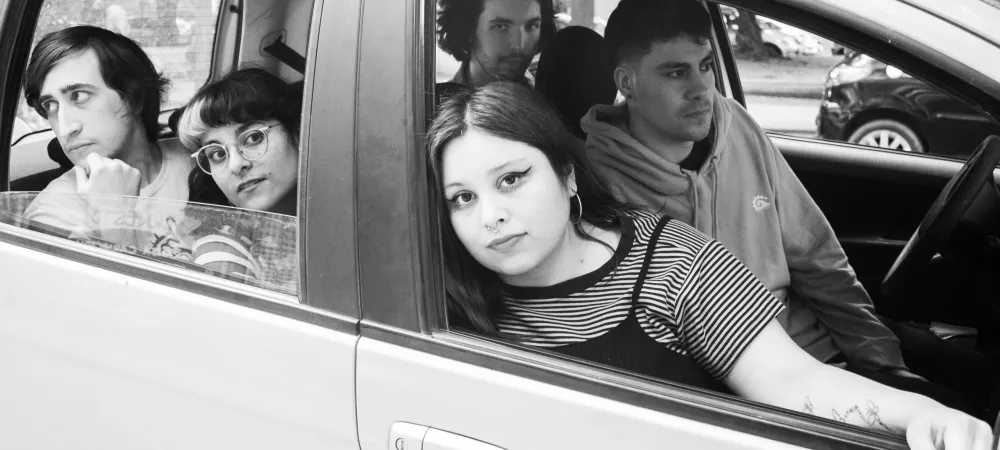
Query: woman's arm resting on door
x=775, y=371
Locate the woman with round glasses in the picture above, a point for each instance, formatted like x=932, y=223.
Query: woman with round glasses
x=244, y=129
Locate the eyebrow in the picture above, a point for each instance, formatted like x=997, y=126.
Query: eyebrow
x=492, y=171
x=681, y=65
x=67, y=89
x=239, y=130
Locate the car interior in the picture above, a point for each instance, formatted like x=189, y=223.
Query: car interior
x=920, y=231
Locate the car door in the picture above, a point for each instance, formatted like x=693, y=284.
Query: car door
x=103, y=349
x=875, y=198
x=423, y=385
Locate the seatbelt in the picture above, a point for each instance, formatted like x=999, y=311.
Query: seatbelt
x=282, y=52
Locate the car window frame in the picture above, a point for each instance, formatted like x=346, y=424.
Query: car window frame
x=907, y=54
x=401, y=264
x=326, y=245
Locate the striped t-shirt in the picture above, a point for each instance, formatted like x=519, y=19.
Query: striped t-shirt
x=697, y=299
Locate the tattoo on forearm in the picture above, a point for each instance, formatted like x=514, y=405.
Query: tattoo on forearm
x=867, y=416
x=808, y=407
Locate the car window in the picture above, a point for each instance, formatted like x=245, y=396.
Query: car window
x=230, y=215
x=251, y=247
x=801, y=84
x=177, y=35
x=585, y=315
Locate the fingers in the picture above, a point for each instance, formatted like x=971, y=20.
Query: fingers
x=920, y=436
x=81, y=177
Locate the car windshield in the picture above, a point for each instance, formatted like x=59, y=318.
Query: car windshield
x=252, y=247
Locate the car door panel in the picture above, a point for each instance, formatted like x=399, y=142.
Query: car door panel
x=93, y=358
x=400, y=384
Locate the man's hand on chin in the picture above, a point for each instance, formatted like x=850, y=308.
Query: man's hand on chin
x=107, y=176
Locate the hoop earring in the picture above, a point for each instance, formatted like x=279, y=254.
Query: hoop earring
x=579, y=203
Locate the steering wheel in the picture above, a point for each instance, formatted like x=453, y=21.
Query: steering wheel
x=971, y=185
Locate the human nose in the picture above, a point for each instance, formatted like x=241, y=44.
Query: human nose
x=701, y=86
x=237, y=163
x=518, y=38
x=69, y=123
x=493, y=212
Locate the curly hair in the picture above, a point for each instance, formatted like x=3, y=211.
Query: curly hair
x=457, y=21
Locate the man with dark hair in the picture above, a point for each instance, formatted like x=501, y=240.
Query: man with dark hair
x=493, y=39
x=678, y=147
x=101, y=95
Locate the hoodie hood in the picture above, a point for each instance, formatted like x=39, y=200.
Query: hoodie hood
x=637, y=173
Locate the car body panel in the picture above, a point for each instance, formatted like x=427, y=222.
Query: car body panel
x=400, y=384
x=98, y=359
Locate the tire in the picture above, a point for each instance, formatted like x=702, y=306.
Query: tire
x=773, y=50
x=887, y=134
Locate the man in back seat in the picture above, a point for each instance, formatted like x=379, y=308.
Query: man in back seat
x=678, y=147
x=493, y=39
x=101, y=95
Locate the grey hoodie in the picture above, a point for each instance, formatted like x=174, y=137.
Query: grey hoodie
x=747, y=197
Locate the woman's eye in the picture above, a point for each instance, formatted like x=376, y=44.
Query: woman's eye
x=512, y=179
x=216, y=155
x=254, y=138
x=461, y=199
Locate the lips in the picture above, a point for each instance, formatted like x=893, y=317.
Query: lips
x=699, y=112
x=77, y=146
x=505, y=243
x=249, y=184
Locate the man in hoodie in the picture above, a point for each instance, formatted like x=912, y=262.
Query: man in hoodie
x=678, y=147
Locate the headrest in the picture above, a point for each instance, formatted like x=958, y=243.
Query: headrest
x=575, y=72
x=57, y=155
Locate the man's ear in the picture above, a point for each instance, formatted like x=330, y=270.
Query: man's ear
x=625, y=81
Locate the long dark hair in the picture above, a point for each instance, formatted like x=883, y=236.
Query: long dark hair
x=124, y=67
x=509, y=110
x=244, y=95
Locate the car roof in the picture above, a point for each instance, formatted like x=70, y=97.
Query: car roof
x=977, y=16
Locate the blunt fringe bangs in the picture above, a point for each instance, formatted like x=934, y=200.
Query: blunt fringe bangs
x=635, y=25
x=124, y=67
x=511, y=111
x=242, y=96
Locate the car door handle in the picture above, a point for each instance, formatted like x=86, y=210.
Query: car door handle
x=407, y=436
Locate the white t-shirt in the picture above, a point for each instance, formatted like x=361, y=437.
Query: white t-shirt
x=93, y=215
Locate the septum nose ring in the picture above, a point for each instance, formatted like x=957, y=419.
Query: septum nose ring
x=494, y=229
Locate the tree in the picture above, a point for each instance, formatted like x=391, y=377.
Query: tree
x=749, y=43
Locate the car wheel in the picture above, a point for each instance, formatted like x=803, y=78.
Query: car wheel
x=887, y=134
x=773, y=51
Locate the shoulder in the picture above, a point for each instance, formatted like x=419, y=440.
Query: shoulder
x=66, y=183
x=675, y=234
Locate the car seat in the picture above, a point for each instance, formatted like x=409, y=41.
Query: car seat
x=575, y=72
x=38, y=181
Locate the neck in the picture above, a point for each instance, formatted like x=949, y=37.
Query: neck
x=288, y=205
x=144, y=156
x=573, y=257
x=668, y=148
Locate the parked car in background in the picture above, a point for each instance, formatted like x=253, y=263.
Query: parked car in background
x=870, y=103
x=781, y=40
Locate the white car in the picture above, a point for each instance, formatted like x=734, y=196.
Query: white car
x=104, y=346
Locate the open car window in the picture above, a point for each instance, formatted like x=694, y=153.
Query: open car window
x=178, y=36
x=251, y=247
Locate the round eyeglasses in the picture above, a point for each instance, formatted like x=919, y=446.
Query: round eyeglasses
x=250, y=144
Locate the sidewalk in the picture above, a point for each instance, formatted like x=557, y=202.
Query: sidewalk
x=796, y=77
